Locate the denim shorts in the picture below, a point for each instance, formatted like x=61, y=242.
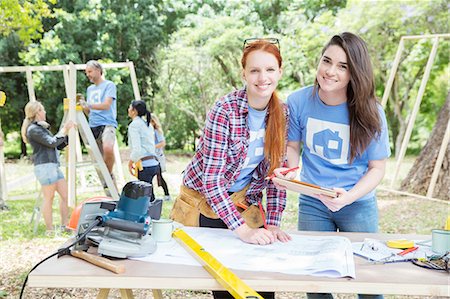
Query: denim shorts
x=48, y=173
x=360, y=216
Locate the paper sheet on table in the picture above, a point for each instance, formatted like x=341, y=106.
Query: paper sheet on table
x=385, y=254
x=329, y=256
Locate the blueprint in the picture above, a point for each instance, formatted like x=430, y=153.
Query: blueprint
x=329, y=256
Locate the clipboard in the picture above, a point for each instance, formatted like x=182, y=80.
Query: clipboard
x=304, y=188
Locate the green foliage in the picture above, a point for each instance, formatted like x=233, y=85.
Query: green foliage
x=24, y=18
x=106, y=30
x=187, y=53
x=200, y=65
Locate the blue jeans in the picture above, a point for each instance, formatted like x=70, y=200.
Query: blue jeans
x=360, y=216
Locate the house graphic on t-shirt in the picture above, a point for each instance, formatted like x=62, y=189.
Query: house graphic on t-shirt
x=328, y=140
x=328, y=143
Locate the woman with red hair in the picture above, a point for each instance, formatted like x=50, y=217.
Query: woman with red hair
x=244, y=140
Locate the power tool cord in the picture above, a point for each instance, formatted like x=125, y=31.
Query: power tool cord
x=63, y=250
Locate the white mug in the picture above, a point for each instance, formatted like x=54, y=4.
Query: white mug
x=440, y=241
x=162, y=230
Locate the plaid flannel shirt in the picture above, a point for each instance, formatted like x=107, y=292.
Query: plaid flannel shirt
x=220, y=156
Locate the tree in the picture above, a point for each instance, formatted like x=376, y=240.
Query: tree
x=201, y=64
x=107, y=30
x=418, y=178
x=23, y=18
x=380, y=24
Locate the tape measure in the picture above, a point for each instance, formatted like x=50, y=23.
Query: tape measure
x=400, y=243
x=2, y=98
x=230, y=281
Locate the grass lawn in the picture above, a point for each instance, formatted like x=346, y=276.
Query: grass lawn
x=20, y=249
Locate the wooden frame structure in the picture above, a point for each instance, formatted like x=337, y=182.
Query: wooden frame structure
x=70, y=72
x=387, y=90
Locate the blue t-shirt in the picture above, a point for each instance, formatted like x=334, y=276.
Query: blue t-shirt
x=255, y=154
x=324, y=132
x=97, y=94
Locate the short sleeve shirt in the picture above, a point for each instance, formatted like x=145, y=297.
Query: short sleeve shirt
x=96, y=94
x=324, y=132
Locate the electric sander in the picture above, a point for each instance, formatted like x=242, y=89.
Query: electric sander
x=126, y=227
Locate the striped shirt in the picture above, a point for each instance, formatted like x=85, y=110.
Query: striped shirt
x=220, y=156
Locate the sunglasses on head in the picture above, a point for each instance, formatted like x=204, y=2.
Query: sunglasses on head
x=272, y=40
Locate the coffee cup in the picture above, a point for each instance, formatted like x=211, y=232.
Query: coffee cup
x=162, y=230
x=440, y=243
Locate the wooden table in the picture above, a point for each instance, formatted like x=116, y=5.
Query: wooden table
x=393, y=278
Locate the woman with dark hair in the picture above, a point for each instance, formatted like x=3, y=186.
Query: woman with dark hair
x=343, y=132
x=142, y=143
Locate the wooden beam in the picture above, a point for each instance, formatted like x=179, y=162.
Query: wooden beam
x=404, y=193
x=66, y=80
x=49, y=68
x=137, y=95
x=442, y=35
x=390, y=82
x=415, y=110
x=72, y=136
x=31, y=95
x=439, y=160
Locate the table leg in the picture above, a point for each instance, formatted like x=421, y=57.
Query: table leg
x=103, y=294
x=157, y=294
x=126, y=294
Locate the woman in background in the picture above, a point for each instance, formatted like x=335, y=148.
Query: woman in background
x=160, y=143
x=35, y=131
x=142, y=143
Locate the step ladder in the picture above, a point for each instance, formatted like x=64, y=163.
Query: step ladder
x=94, y=152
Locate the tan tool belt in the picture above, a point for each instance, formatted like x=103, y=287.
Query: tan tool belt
x=189, y=204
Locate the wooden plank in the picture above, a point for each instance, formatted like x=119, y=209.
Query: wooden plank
x=137, y=95
x=439, y=160
x=66, y=80
x=126, y=294
x=68, y=272
x=29, y=75
x=103, y=294
x=88, y=139
x=49, y=68
x=415, y=110
x=157, y=294
x=72, y=137
x=390, y=81
x=390, y=190
x=441, y=35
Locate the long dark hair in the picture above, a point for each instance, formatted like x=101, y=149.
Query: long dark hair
x=365, y=122
x=141, y=109
x=274, y=148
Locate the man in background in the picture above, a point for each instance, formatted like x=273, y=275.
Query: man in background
x=101, y=106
